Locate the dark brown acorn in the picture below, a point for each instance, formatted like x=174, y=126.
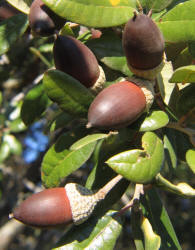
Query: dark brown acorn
x=143, y=43
x=42, y=20
x=117, y=106
x=76, y=59
x=61, y=206
x=7, y=10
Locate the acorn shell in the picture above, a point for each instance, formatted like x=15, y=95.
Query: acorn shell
x=48, y=208
x=143, y=42
x=42, y=20
x=76, y=59
x=7, y=10
x=116, y=106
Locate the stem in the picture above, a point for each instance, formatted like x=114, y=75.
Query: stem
x=107, y=188
x=38, y=54
x=139, y=190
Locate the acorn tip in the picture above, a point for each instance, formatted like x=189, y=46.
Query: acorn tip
x=11, y=216
x=88, y=125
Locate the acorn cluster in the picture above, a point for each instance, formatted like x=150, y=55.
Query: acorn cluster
x=114, y=107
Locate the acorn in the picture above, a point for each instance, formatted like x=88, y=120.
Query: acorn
x=61, y=205
x=120, y=104
x=76, y=59
x=143, y=45
x=7, y=10
x=42, y=20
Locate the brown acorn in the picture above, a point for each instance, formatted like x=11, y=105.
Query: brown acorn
x=143, y=44
x=7, y=10
x=118, y=105
x=76, y=59
x=42, y=20
x=61, y=206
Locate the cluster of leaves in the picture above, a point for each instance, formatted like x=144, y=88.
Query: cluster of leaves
x=154, y=146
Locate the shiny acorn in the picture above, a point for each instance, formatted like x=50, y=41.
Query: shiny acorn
x=60, y=206
x=119, y=105
x=76, y=59
x=7, y=10
x=143, y=45
x=42, y=20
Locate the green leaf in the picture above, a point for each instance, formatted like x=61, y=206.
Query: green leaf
x=155, y=120
x=67, y=92
x=155, y=5
x=60, y=161
x=177, y=25
x=186, y=101
x=61, y=120
x=170, y=155
x=96, y=233
x=190, y=158
x=10, y=30
x=1, y=98
x=4, y=151
x=86, y=140
x=140, y=166
x=17, y=125
x=22, y=5
x=155, y=211
x=14, y=144
x=35, y=103
x=184, y=74
x=108, y=49
x=166, y=88
x=151, y=239
x=97, y=13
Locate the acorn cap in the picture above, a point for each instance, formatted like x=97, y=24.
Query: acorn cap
x=76, y=59
x=117, y=106
x=50, y=207
x=99, y=84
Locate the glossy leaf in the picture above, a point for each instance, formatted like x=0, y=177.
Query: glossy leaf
x=155, y=5
x=10, y=30
x=22, y=5
x=4, y=151
x=177, y=25
x=60, y=161
x=67, y=92
x=155, y=211
x=190, y=158
x=1, y=98
x=14, y=144
x=94, y=14
x=86, y=140
x=170, y=155
x=17, y=126
x=61, y=120
x=34, y=104
x=96, y=233
x=186, y=101
x=140, y=166
x=108, y=49
x=184, y=74
x=166, y=88
x=155, y=120
x=151, y=239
